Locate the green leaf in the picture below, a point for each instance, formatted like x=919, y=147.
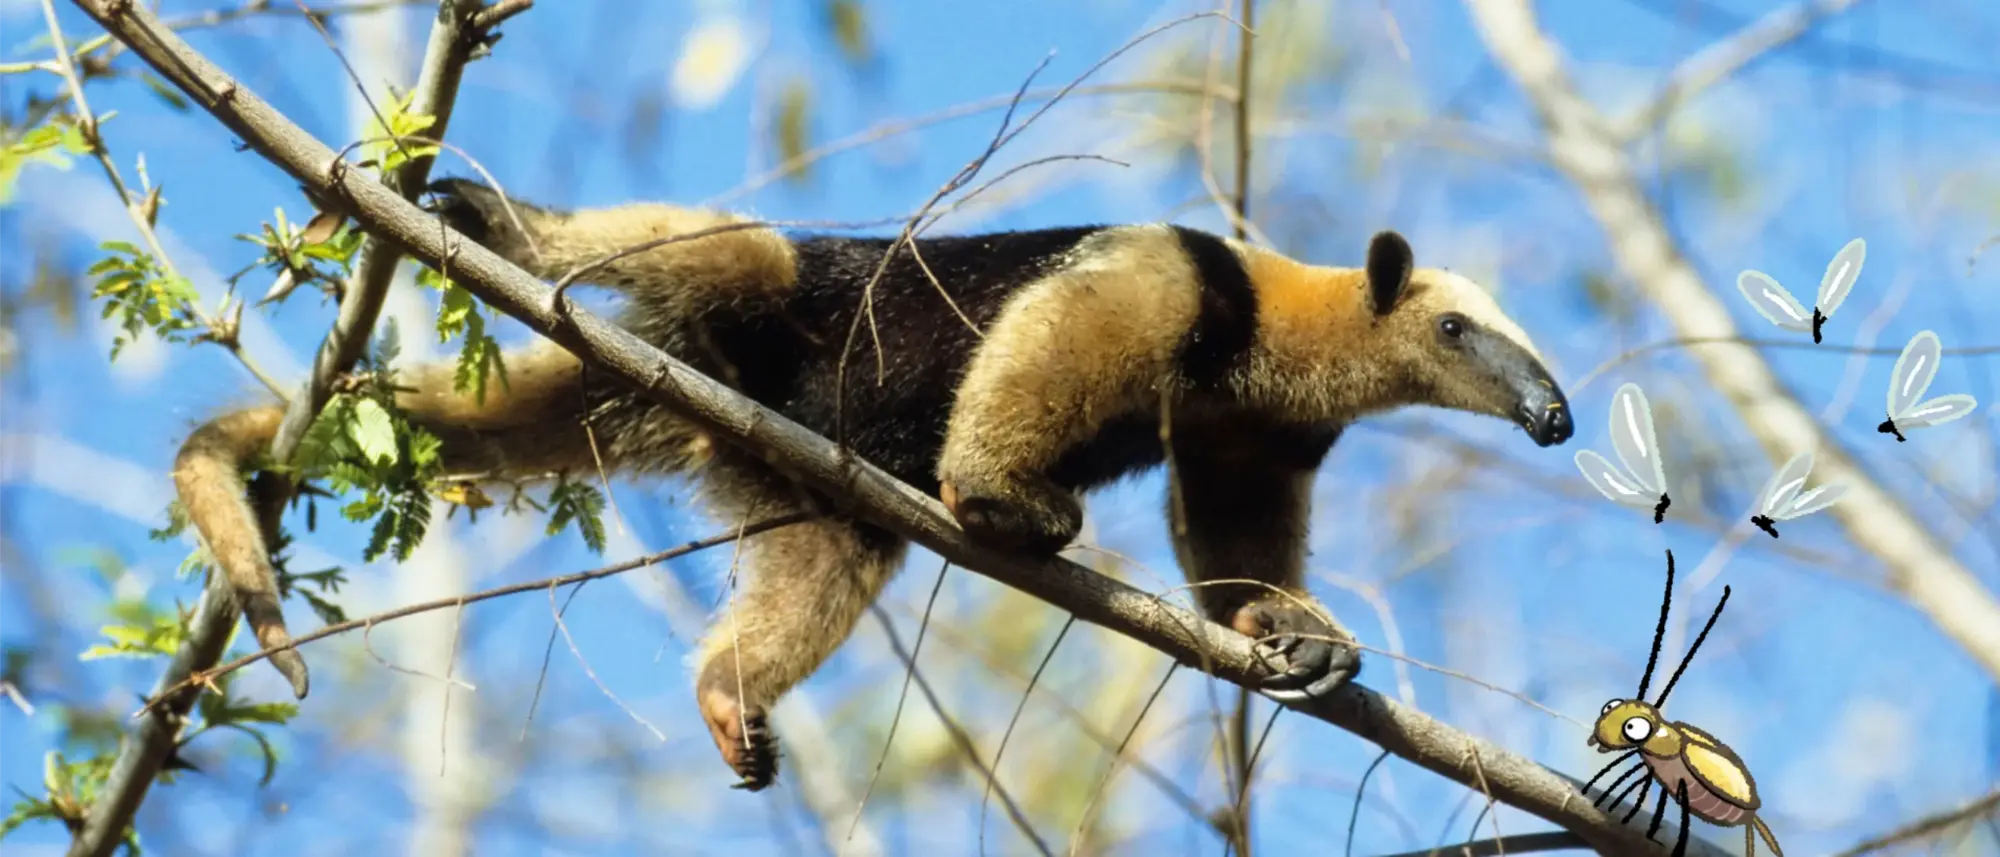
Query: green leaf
x=264, y=748
x=51, y=145
x=792, y=132
x=26, y=810
x=580, y=502
x=138, y=291
x=374, y=432
x=141, y=631
x=389, y=146
x=850, y=30
x=177, y=523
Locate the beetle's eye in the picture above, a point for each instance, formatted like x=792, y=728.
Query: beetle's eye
x=1608, y=706
x=1638, y=729
x=1451, y=326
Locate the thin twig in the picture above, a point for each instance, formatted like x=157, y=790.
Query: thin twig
x=86, y=122
x=900, y=127
x=1047, y=657
x=958, y=735
x=1239, y=725
x=1761, y=342
x=1354, y=814
x=1724, y=58
x=902, y=696
x=212, y=18
x=1084, y=822
x=592, y=674
x=13, y=695
x=1928, y=825
x=1519, y=843
x=1166, y=785
x=208, y=676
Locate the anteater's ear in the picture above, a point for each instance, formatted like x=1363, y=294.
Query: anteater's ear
x=1389, y=264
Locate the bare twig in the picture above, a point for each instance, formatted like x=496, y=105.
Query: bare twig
x=1089, y=815
x=88, y=52
x=562, y=626
x=208, y=676
x=1354, y=815
x=899, y=127
x=148, y=746
x=221, y=333
x=1238, y=751
x=1928, y=825
x=1758, y=342
x=1012, y=721
x=902, y=696
x=1920, y=570
x=1724, y=58
x=13, y=695
x=863, y=488
x=1519, y=843
x=1067, y=710
x=958, y=734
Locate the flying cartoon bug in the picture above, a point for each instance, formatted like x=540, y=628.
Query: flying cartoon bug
x=1703, y=775
x=1784, y=500
x=1915, y=369
x=1774, y=303
x=1644, y=479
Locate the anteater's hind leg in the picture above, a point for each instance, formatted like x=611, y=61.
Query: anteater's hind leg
x=802, y=589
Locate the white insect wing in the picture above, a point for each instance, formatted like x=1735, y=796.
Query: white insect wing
x=1810, y=502
x=1938, y=411
x=1633, y=437
x=1772, y=301
x=1785, y=485
x=1840, y=276
x=1915, y=368
x=1609, y=482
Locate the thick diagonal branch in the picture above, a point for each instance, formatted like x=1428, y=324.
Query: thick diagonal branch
x=1092, y=597
x=1920, y=569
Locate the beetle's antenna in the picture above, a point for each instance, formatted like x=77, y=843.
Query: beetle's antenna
x=1607, y=769
x=1661, y=632
x=1692, y=649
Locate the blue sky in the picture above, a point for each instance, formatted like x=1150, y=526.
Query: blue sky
x=1852, y=709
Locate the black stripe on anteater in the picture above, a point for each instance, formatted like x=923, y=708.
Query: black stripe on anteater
x=1227, y=322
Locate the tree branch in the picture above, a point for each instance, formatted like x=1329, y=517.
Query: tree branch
x=1178, y=632
x=143, y=751
x=1725, y=57
x=1920, y=570
x=1929, y=825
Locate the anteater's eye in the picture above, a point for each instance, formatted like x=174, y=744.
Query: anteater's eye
x=1452, y=326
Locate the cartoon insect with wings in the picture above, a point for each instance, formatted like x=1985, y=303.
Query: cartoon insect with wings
x=1643, y=482
x=1774, y=303
x=1782, y=500
x=1701, y=773
x=1915, y=369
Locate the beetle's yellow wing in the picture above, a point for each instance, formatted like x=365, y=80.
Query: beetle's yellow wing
x=1719, y=768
